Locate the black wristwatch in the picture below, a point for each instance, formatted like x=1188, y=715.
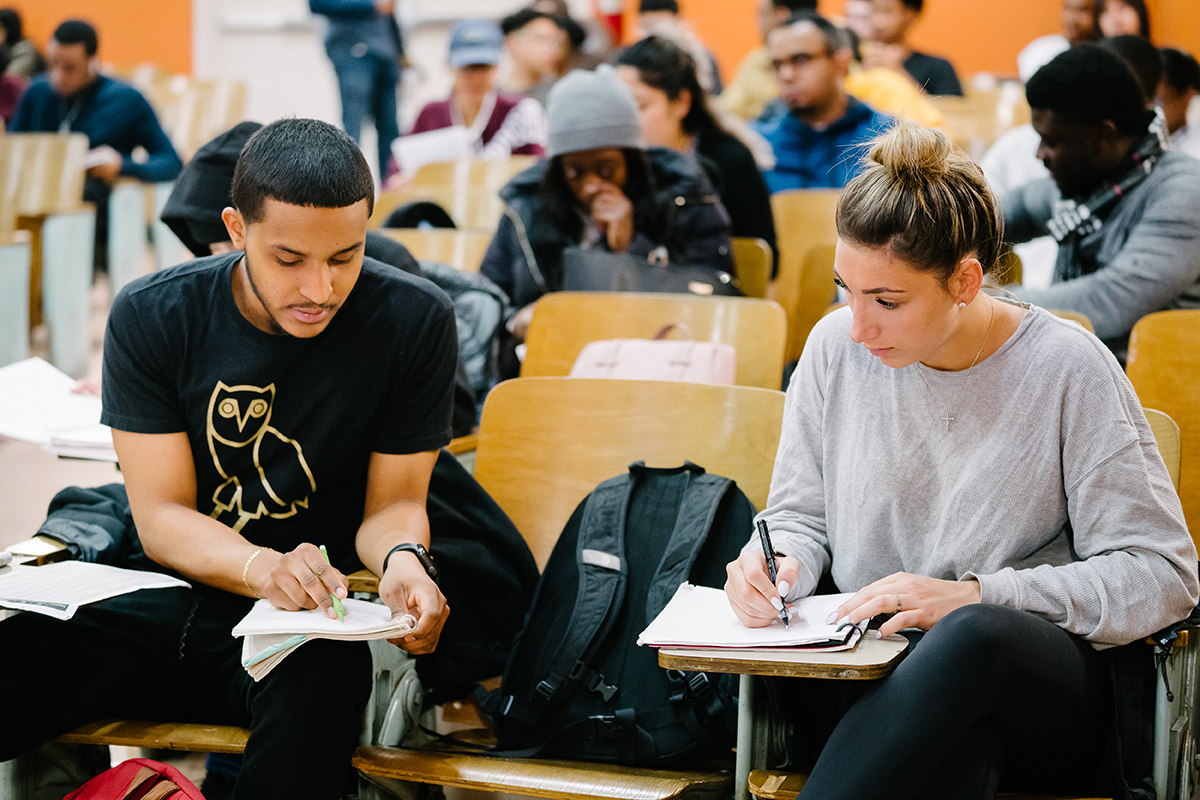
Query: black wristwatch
x=417, y=550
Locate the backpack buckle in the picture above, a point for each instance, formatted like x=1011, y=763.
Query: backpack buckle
x=543, y=692
x=699, y=686
x=604, y=728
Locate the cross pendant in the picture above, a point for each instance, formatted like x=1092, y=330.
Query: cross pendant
x=947, y=419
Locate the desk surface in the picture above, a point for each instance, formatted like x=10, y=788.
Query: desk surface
x=871, y=659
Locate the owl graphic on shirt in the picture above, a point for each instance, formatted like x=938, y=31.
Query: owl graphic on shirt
x=263, y=470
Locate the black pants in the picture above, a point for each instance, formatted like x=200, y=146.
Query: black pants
x=97, y=191
x=990, y=696
x=167, y=655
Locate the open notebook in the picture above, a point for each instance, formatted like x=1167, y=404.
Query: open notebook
x=699, y=616
x=272, y=634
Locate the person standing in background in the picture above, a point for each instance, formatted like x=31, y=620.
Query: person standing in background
x=363, y=42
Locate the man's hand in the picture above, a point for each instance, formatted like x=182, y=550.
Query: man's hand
x=518, y=326
x=888, y=56
x=915, y=600
x=297, y=580
x=407, y=589
x=613, y=213
x=748, y=586
x=385, y=7
x=106, y=164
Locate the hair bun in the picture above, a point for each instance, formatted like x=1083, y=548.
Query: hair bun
x=912, y=154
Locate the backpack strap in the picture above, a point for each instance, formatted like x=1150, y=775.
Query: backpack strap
x=701, y=499
x=600, y=559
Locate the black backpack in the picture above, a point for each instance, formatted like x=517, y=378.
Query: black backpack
x=577, y=685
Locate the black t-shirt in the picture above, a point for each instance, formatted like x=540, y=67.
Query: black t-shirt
x=282, y=428
x=935, y=75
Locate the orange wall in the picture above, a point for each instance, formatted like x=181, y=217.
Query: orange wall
x=131, y=31
x=976, y=35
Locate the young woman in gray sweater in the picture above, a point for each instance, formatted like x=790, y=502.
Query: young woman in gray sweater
x=981, y=471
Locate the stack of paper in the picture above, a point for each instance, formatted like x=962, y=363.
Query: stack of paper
x=38, y=406
x=58, y=590
x=698, y=616
x=431, y=147
x=272, y=634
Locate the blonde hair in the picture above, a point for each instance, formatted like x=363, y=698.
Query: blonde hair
x=926, y=202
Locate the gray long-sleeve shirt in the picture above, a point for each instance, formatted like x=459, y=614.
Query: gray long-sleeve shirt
x=1047, y=488
x=1147, y=254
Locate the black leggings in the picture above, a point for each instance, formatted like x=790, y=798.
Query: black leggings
x=166, y=655
x=989, y=695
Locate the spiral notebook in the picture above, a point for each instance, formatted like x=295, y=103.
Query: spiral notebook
x=699, y=616
x=272, y=634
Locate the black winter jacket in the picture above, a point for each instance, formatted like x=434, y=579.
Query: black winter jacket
x=525, y=256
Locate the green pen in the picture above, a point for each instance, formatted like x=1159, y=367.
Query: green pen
x=337, y=604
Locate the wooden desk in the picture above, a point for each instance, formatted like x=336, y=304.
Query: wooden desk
x=870, y=660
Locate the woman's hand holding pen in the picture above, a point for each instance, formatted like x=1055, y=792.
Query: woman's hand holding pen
x=754, y=600
x=407, y=589
x=297, y=580
x=915, y=601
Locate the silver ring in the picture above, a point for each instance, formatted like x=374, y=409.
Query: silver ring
x=897, y=603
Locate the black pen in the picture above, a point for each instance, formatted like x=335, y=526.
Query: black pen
x=772, y=567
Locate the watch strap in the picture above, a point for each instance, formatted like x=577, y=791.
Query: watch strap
x=417, y=550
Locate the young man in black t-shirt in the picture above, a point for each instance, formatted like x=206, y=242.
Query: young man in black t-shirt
x=262, y=403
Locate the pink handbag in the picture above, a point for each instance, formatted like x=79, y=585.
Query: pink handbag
x=658, y=359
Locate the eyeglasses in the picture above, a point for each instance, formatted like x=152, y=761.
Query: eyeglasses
x=797, y=60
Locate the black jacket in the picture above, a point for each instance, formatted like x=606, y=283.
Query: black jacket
x=525, y=257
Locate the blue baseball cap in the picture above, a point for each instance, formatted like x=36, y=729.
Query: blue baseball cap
x=475, y=41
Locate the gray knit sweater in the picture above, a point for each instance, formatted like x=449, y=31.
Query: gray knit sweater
x=1048, y=487
x=1148, y=252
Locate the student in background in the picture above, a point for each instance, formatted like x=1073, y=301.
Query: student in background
x=981, y=471
x=1178, y=88
x=661, y=17
x=754, y=87
x=1122, y=18
x=74, y=97
x=536, y=44
x=891, y=21
x=818, y=131
x=601, y=188
x=1078, y=27
x=11, y=89
x=501, y=124
x=1137, y=250
x=675, y=114
x=24, y=60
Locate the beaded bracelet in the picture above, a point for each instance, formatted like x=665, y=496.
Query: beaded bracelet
x=246, y=571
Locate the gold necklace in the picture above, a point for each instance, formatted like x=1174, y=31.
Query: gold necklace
x=991, y=319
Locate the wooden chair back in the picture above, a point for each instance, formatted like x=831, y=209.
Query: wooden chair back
x=488, y=173
x=545, y=443
x=463, y=250
x=752, y=259
x=45, y=171
x=804, y=222
x=1164, y=367
x=1166, y=434
x=563, y=322
x=1074, y=316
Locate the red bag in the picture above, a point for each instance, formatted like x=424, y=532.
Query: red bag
x=138, y=779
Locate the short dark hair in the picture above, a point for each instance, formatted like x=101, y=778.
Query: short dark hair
x=1138, y=6
x=670, y=6
x=796, y=5
x=10, y=20
x=835, y=38
x=1091, y=84
x=915, y=5
x=301, y=162
x=1142, y=58
x=1180, y=70
x=519, y=19
x=664, y=65
x=76, y=31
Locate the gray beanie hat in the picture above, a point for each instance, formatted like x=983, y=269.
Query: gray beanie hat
x=590, y=110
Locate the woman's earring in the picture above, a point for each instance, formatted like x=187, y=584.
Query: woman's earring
x=962, y=305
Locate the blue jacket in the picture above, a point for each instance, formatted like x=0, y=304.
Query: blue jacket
x=806, y=158
x=109, y=113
